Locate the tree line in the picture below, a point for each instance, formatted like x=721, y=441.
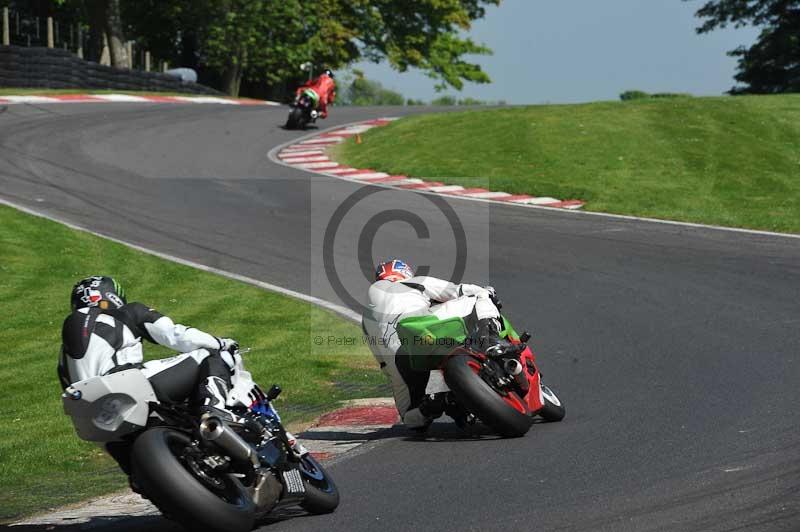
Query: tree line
x=256, y=46
x=356, y=89
x=772, y=64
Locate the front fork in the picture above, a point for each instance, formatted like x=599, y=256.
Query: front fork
x=298, y=448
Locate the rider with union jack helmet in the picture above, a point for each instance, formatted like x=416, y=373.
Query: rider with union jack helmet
x=398, y=293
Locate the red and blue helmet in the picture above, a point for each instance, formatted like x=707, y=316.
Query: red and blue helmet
x=393, y=270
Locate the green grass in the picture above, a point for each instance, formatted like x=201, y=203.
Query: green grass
x=42, y=462
x=732, y=161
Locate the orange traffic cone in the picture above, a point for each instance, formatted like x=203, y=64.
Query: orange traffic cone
x=358, y=138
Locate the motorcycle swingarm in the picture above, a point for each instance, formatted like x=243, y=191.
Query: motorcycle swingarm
x=493, y=378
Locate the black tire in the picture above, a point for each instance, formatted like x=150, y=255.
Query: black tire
x=296, y=119
x=481, y=400
x=177, y=493
x=552, y=410
x=322, y=495
x=291, y=121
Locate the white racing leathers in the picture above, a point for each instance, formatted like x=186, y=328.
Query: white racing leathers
x=97, y=342
x=388, y=302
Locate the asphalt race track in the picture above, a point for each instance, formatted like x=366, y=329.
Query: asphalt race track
x=675, y=349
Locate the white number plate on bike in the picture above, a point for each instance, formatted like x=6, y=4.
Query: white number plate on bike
x=293, y=482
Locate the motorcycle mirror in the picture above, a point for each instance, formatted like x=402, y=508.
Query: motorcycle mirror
x=273, y=392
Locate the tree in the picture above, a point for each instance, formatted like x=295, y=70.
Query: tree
x=167, y=29
x=266, y=40
x=105, y=19
x=362, y=91
x=423, y=34
x=261, y=40
x=445, y=99
x=772, y=64
x=472, y=101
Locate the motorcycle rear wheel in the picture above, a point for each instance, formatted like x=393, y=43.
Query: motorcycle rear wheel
x=506, y=416
x=165, y=479
x=296, y=119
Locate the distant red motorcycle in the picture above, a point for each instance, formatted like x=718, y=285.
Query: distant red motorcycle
x=311, y=101
x=503, y=390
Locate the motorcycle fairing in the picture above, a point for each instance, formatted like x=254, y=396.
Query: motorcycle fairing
x=534, y=397
x=429, y=340
x=313, y=96
x=108, y=407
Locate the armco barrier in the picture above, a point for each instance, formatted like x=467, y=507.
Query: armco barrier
x=52, y=68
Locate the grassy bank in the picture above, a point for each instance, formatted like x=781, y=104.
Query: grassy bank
x=42, y=463
x=731, y=161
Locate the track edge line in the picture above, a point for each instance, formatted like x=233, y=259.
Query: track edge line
x=328, y=305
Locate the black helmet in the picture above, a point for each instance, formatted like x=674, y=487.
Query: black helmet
x=329, y=73
x=97, y=291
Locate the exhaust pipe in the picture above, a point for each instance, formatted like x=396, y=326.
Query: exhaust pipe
x=512, y=366
x=216, y=430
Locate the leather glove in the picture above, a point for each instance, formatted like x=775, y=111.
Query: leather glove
x=230, y=345
x=493, y=297
x=229, y=351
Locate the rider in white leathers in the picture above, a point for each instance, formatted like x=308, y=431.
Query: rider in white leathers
x=398, y=294
x=104, y=334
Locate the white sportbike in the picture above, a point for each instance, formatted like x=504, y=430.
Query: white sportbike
x=205, y=473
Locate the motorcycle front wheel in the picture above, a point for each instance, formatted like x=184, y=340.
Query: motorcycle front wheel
x=183, y=490
x=322, y=495
x=505, y=414
x=552, y=410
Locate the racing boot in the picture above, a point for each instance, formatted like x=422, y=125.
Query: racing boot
x=431, y=407
x=212, y=398
x=455, y=411
x=487, y=336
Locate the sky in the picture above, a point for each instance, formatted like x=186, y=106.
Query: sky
x=566, y=51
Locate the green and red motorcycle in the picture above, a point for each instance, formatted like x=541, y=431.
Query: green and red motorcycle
x=303, y=110
x=503, y=390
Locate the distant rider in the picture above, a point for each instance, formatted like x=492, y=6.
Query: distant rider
x=396, y=294
x=321, y=90
x=104, y=334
